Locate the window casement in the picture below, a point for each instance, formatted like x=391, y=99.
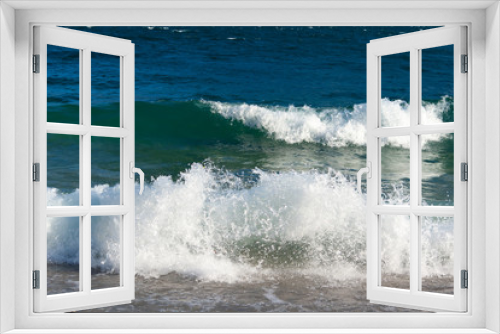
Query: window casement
x=413, y=213
x=83, y=213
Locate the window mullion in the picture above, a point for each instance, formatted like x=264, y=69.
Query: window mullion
x=85, y=246
x=414, y=170
x=86, y=122
x=82, y=181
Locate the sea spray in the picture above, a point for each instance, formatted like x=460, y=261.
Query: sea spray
x=216, y=225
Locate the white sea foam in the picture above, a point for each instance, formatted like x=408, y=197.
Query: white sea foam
x=334, y=127
x=215, y=226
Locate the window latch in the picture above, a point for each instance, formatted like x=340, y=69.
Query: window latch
x=368, y=171
x=134, y=170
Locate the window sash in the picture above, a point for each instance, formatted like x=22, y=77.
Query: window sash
x=414, y=43
x=86, y=43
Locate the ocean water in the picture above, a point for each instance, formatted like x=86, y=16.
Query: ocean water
x=250, y=139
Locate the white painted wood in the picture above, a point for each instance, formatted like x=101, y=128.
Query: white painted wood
x=247, y=4
x=86, y=43
x=127, y=116
x=77, y=211
x=257, y=331
x=7, y=167
x=492, y=163
x=373, y=157
x=103, y=131
x=416, y=129
x=40, y=156
x=424, y=39
x=460, y=155
x=414, y=170
x=77, y=129
x=85, y=177
x=414, y=43
x=445, y=211
x=82, y=40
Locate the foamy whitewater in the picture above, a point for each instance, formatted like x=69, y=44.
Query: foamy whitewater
x=334, y=127
x=216, y=226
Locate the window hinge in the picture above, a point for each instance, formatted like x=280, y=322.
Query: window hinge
x=465, y=279
x=464, y=171
x=36, y=279
x=36, y=172
x=465, y=63
x=36, y=63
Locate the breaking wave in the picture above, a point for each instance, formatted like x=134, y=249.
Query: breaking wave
x=334, y=127
x=215, y=225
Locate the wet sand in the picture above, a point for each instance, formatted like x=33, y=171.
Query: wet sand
x=285, y=292
x=176, y=293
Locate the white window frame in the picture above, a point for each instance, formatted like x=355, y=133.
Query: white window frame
x=16, y=215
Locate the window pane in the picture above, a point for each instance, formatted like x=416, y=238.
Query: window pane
x=106, y=249
x=105, y=89
x=437, y=254
x=63, y=255
x=105, y=171
x=395, y=170
x=395, y=99
x=395, y=251
x=437, y=169
x=63, y=167
x=437, y=85
x=63, y=85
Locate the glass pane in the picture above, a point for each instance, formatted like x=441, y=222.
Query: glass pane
x=395, y=170
x=437, y=85
x=63, y=85
x=105, y=171
x=437, y=254
x=63, y=167
x=437, y=169
x=105, y=90
x=106, y=246
x=395, y=98
x=395, y=251
x=63, y=255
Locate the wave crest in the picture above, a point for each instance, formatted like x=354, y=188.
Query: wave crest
x=334, y=127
